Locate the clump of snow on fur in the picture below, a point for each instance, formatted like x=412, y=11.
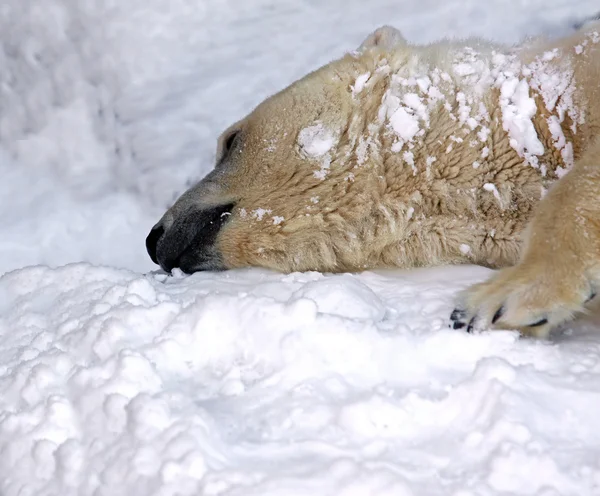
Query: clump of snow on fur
x=483, y=133
x=415, y=103
x=428, y=163
x=492, y=189
x=365, y=145
x=518, y=109
x=474, y=69
x=555, y=83
x=278, y=220
x=405, y=123
x=465, y=249
x=406, y=106
x=360, y=83
x=324, y=170
x=259, y=213
x=560, y=142
x=409, y=158
x=549, y=55
x=315, y=142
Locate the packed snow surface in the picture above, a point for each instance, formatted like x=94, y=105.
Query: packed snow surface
x=116, y=380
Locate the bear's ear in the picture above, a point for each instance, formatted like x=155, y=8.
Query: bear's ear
x=385, y=37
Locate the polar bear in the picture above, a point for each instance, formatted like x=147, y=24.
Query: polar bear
x=403, y=156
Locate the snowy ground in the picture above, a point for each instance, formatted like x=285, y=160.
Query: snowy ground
x=117, y=380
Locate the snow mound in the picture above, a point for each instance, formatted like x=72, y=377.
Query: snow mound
x=115, y=383
x=344, y=296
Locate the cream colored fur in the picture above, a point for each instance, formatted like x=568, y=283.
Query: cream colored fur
x=328, y=175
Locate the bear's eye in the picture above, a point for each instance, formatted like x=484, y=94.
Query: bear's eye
x=230, y=141
x=226, y=145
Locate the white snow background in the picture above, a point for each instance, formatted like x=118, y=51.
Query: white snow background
x=118, y=381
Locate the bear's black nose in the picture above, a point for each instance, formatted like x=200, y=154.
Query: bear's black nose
x=188, y=243
x=152, y=240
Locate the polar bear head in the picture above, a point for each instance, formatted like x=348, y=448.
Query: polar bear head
x=297, y=183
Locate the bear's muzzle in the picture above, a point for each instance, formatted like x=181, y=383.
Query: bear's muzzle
x=189, y=242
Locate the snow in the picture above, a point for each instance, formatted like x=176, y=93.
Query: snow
x=359, y=85
x=315, y=142
x=115, y=380
x=414, y=102
x=492, y=189
x=259, y=213
x=518, y=109
x=409, y=158
x=476, y=72
x=404, y=123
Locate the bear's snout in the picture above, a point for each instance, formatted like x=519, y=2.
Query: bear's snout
x=189, y=242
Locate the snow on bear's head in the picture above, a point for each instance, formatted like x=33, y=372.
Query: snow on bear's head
x=293, y=187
